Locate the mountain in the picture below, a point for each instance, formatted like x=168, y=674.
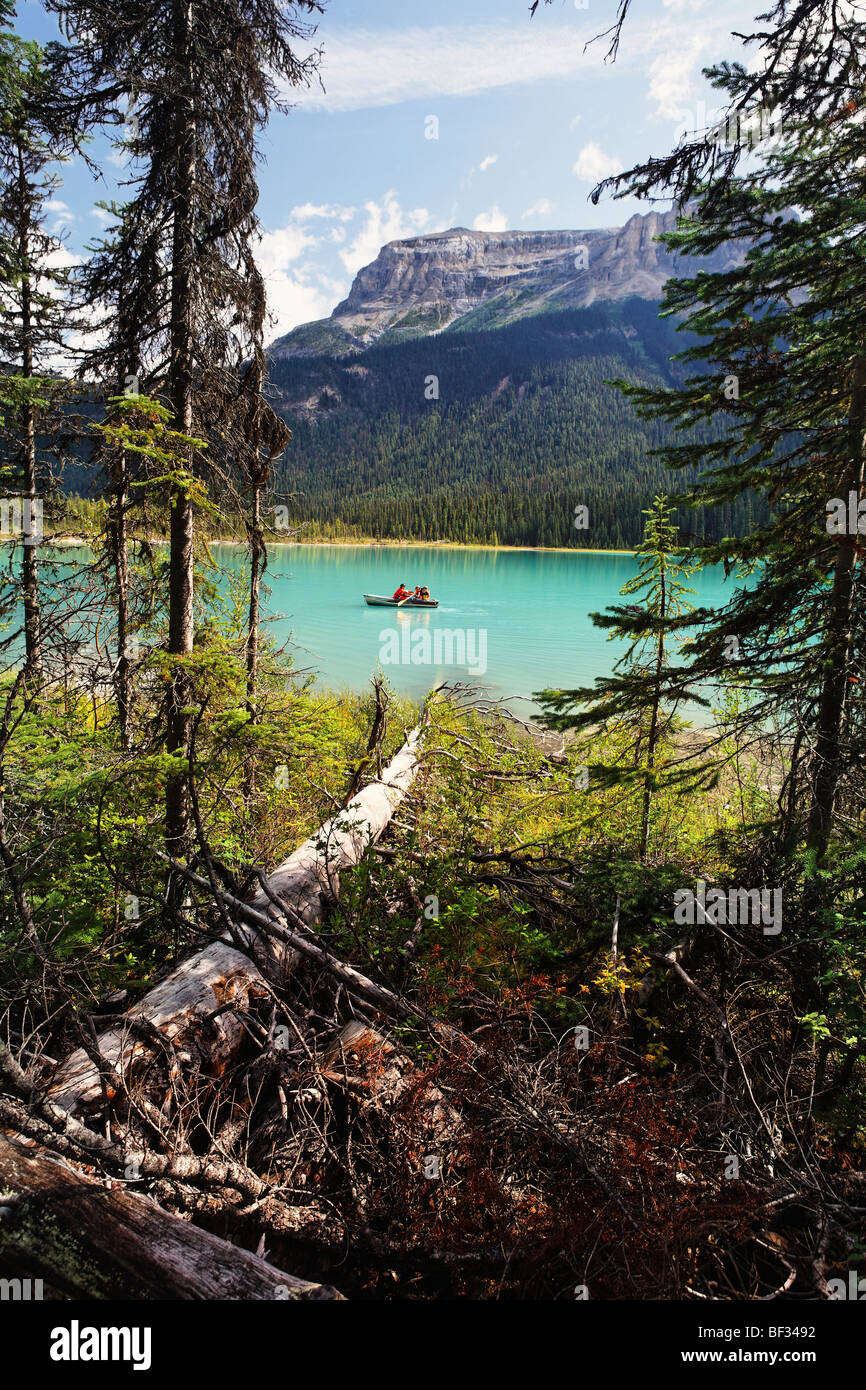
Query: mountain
x=464, y=391
x=490, y=436
x=489, y=279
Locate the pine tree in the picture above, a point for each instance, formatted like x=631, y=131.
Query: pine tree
x=782, y=360
x=134, y=428
x=34, y=309
x=643, y=690
x=199, y=80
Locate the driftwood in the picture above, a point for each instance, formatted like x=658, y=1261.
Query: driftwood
x=88, y=1241
x=197, y=991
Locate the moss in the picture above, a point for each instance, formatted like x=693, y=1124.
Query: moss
x=36, y=1234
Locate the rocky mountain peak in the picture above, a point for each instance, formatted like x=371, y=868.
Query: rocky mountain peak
x=424, y=284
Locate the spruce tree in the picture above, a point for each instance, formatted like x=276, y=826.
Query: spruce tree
x=781, y=359
x=643, y=692
x=194, y=83
x=34, y=307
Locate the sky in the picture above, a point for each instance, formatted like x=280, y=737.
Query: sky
x=432, y=116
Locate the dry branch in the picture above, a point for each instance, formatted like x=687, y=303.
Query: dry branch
x=220, y=974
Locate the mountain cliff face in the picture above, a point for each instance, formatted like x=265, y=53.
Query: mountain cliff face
x=477, y=280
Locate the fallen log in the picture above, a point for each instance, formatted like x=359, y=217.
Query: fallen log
x=197, y=991
x=88, y=1241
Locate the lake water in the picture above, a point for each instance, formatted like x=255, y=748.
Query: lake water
x=523, y=615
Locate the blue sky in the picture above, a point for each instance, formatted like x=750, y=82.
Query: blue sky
x=527, y=119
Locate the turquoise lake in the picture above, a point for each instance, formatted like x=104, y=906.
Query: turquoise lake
x=532, y=608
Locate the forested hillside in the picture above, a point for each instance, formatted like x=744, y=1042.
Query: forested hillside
x=526, y=427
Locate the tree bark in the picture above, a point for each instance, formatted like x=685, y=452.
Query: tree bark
x=182, y=1003
x=256, y=559
x=88, y=1241
x=257, y=554
x=29, y=563
x=118, y=540
x=829, y=750
x=180, y=388
x=652, y=736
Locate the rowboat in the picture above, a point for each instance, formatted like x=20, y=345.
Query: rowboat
x=381, y=601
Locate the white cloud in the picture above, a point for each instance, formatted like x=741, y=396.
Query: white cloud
x=364, y=68
x=292, y=298
x=487, y=161
x=686, y=39
x=385, y=221
x=593, y=164
x=61, y=258
x=306, y=211
x=492, y=221
x=543, y=208
x=277, y=249
x=672, y=77
x=61, y=357
x=62, y=216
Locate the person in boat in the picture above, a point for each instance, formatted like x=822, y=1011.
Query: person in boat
x=418, y=592
x=402, y=593
x=423, y=593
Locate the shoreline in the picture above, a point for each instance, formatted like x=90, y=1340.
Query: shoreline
x=62, y=541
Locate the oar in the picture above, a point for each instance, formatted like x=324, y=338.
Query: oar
x=404, y=600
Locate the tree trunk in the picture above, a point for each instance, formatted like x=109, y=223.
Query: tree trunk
x=257, y=552
x=87, y=1241
x=256, y=560
x=180, y=387
x=29, y=563
x=120, y=559
x=221, y=974
x=839, y=644
x=653, y=735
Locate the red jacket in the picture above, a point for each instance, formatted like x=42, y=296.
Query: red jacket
x=402, y=592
